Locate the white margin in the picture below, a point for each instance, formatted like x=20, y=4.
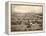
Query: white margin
x=28, y=3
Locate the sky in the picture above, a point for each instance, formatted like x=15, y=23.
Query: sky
x=26, y=9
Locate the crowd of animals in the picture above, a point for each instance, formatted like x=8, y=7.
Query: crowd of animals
x=26, y=21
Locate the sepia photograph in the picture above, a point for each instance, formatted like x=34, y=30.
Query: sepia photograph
x=26, y=17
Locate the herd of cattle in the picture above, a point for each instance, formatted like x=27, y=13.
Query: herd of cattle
x=26, y=21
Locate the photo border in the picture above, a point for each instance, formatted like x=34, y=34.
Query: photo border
x=25, y=3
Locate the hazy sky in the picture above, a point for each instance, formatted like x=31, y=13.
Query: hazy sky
x=26, y=9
